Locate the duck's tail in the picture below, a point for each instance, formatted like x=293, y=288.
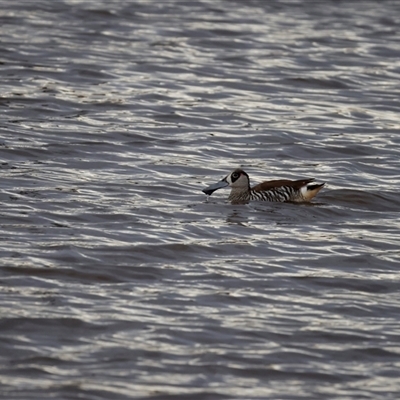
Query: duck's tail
x=311, y=190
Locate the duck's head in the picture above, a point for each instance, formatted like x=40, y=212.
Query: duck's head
x=237, y=179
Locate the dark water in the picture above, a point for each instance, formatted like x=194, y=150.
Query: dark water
x=118, y=279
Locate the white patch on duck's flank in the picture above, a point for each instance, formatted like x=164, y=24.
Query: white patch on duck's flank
x=303, y=191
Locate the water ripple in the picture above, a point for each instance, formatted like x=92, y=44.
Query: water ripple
x=120, y=279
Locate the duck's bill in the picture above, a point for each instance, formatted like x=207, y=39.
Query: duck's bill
x=212, y=188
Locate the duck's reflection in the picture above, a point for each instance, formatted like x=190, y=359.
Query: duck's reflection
x=237, y=217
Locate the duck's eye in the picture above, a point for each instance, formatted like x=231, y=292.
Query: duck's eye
x=235, y=175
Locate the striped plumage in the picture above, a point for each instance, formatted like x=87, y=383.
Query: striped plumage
x=280, y=190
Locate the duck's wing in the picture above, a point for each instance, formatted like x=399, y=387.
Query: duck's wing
x=277, y=183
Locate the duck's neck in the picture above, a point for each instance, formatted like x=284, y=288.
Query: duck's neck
x=239, y=195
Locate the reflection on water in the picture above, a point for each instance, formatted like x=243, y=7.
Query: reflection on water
x=119, y=278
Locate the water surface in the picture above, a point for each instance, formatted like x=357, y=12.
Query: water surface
x=119, y=278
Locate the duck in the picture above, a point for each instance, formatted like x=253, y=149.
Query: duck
x=278, y=190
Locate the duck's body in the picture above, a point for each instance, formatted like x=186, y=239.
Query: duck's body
x=280, y=190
